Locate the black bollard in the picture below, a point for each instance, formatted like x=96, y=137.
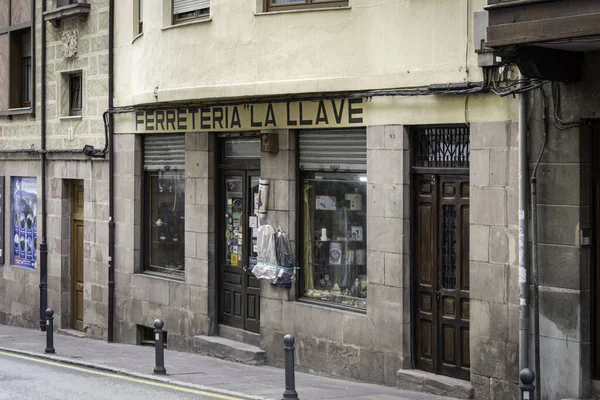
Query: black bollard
x=49, y=331
x=159, y=346
x=527, y=389
x=290, y=380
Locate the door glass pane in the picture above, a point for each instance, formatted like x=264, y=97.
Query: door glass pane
x=335, y=237
x=253, y=227
x=233, y=220
x=449, y=246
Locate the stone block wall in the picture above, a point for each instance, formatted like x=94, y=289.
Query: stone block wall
x=372, y=346
x=494, y=329
x=185, y=306
x=19, y=302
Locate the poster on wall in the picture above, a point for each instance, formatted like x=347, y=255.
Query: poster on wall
x=24, y=212
x=1, y=220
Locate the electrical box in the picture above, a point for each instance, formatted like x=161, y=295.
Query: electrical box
x=269, y=142
x=485, y=55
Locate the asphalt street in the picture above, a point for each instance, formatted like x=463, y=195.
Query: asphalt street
x=23, y=377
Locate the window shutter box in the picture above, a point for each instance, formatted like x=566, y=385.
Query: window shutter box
x=333, y=150
x=184, y=6
x=164, y=152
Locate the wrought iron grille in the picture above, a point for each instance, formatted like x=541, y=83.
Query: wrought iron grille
x=442, y=147
x=449, y=247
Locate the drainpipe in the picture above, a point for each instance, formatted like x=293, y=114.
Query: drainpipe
x=111, y=180
x=43, y=243
x=523, y=236
x=534, y=252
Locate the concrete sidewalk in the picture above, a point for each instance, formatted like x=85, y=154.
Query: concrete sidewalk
x=205, y=373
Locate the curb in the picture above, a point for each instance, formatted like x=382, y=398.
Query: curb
x=121, y=371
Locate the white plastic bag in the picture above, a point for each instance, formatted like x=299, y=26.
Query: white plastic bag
x=266, y=260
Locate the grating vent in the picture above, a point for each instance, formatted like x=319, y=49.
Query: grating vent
x=446, y=147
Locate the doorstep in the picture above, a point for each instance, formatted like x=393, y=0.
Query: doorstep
x=239, y=335
x=228, y=349
x=421, y=381
x=71, y=332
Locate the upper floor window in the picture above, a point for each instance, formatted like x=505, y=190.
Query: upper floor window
x=62, y=3
x=185, y=10
x=281, y=5
x=16, y=62
x=75, y=95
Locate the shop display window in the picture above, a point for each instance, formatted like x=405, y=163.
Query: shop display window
x=335, y=238
x=166, y=222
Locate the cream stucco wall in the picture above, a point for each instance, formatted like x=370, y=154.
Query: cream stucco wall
x=242, y=52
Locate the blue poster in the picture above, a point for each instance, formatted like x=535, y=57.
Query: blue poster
x=24, y=211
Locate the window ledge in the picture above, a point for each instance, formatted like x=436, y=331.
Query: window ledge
x=302, y=10
x=71, y=117
x=160, y=275
x=194, y=22
x=139, y=35
x=330, y=305
x=80, y=10
x=16, y=111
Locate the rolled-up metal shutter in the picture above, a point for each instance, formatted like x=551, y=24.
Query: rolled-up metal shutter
x=164, y=152
x=333, y=150
x=141, y=15
x=26, y=46
x=183, y=6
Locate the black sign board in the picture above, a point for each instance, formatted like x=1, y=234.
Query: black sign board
x=1, y=220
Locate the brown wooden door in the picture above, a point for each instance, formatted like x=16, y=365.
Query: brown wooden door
x=239, y=289
x=77, y=200
x=442, y=274
x=596, y=279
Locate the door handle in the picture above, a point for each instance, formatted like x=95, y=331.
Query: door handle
x=438, y=293
x=245, y=268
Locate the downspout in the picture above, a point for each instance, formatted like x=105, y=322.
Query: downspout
x=523, y=236
x=43, y=243
x=111, y=180
x=534, y=252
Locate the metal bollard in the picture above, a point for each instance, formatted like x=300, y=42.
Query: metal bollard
x=527, y=389
x=49, y=331
x=290, y=380
x=159, y=346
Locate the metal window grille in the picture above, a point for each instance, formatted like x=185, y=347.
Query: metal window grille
x=442, y=147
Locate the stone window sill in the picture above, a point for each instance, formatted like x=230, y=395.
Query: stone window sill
x=79, y=10
x=325, y=304
x=193, y=22
x=71, y=117
x=16, y=111
x=302, y=10
x=159, y=275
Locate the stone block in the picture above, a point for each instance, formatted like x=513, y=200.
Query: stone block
x=311, y=352
x=480, y=168
x=479, y=239
x=307, y=320
x=375, y=200
x=488, y=357
x=205, y=192
x=559, y=313
x=479, y=318
x=488, y=206
x=500, y=390
x=397, y=201
x=392, y=362
x=197, y=218
x=158, y=290
x=358, y=330
x=270, y=313
x=376, y=267
x=499, y=247
x=388, y=234
x=560, y=184
x=513, y=324
x=196, y=164
x=396, y=137
x=376, y=137
x=196, y=272
x=481, y=387
x=190, y=239
x=488, y=281
x=280, y=166
x=342, y=360
x=489, y=135
x=179, y=295
x=371, y=366
x=199, y=300
x=565, y=379
x=560, y=265
x=387, y=166
x=561, y=225
x=190, y=190
x=394, y=270
x=499, y=167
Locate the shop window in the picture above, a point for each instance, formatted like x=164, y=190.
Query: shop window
x=187, y=10
x=280, y=5
x=335, y=237
x=164, y=160
x=75, y=94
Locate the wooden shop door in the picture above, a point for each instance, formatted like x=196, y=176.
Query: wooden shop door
x=77, y=199
x=239, y=288
x=442, y=274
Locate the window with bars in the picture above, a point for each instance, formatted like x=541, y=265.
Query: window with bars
x=186, y=10
x=75, y=94
x=441, y=147
x=281, y=5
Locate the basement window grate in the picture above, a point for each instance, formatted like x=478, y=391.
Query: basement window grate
x=146, y=336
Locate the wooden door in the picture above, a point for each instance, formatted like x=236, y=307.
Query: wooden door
x=442, y=274
x=77, y=256
x=239, y=289
x=596, y=279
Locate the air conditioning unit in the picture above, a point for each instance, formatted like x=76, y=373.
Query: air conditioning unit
x=486, y=56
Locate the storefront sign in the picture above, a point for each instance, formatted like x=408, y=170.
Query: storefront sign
x=295, y=114
x=1, y=220
x=24, y=233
